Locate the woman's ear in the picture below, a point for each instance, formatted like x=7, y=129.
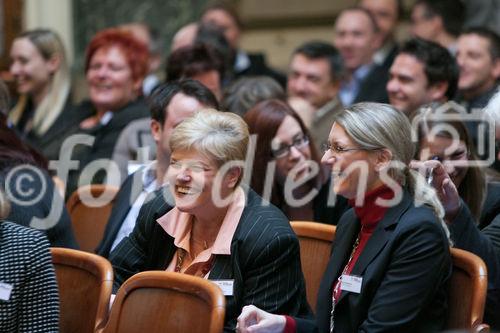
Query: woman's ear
x=384, y=157
x=233, y=176
x=53, y=63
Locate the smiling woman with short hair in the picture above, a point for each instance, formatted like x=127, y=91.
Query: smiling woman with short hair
x=217, y=229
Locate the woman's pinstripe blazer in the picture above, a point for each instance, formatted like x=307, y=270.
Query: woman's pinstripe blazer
x=264, y=260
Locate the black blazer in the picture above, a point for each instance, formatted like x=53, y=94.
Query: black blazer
x=105, y=137
x=258, y=66
x=405, y=267
x=49, y=144
x=373, y=87
x=264, y=261
x=491, y=205
x=128, y=193
x=483, y=243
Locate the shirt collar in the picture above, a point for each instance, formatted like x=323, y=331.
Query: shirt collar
x=241, y=62
x=382, y=53
x=361, y=72
x=179, y=225
x=329, y=106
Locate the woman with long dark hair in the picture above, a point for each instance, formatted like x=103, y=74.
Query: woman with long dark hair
x=286, y=167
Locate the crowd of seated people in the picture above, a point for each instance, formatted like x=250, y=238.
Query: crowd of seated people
x=377, y=135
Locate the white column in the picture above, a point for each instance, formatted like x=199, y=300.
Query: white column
x=52, y=14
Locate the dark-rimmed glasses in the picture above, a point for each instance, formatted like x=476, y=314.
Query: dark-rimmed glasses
x=284, y=149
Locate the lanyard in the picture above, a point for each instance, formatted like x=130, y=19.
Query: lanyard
x=337, y=288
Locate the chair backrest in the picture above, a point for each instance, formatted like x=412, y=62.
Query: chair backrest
x=315, y=248
x=467, y=293
x=85, y=284
x=89, y=208
x=158, y=301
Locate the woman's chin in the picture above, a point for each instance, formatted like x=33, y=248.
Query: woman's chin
x=302, y=173
x=340, y=188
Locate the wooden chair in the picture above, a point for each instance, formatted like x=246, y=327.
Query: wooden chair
x=89, y=222
x=467, y=293
x=85, y=283
x=315, y=248
x=158, y=301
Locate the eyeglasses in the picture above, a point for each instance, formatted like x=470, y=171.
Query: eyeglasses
x=341, y=150
x=284, y=150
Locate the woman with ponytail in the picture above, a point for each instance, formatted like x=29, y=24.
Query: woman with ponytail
x=390, y=261
x=42, y=77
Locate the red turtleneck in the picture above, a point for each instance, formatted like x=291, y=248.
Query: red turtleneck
x=369, y=215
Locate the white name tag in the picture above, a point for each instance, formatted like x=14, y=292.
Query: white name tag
x=5, y=290
x=351, y=283
x=226, y=286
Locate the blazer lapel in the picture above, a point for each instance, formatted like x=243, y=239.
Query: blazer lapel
x=341, y=251
x=221, y=268
x=126, y=200
x=342, y=247
x=380, y=237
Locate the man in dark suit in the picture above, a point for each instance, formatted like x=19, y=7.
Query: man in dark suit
x=171, y=103
x=224, y=16
x=387, y=14
x=357, y=38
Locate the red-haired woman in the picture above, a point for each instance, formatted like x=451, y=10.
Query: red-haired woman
x=286, y=168
x=115, y=66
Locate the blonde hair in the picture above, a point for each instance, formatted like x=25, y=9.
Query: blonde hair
x=221, y=136
x=380, y=126
x=49, y=45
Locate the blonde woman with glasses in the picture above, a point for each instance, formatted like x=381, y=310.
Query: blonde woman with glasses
x=390, y=261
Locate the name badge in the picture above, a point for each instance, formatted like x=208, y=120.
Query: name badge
x=5, y=290
x=351, y=283
x=226, y=286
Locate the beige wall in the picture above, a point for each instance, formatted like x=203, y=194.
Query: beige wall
x=279, y=43
x=52, y=14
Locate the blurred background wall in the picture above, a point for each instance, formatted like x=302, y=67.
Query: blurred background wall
x=274, y=27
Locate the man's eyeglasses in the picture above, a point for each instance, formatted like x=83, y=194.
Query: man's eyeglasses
x=284, y=149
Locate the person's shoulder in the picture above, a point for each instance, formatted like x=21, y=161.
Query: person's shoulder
x=136, y=109
x=261, y=220
x=157, y=203
x=19, y=235
x=420, y=220
x=257, y=207
x=419, y=213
